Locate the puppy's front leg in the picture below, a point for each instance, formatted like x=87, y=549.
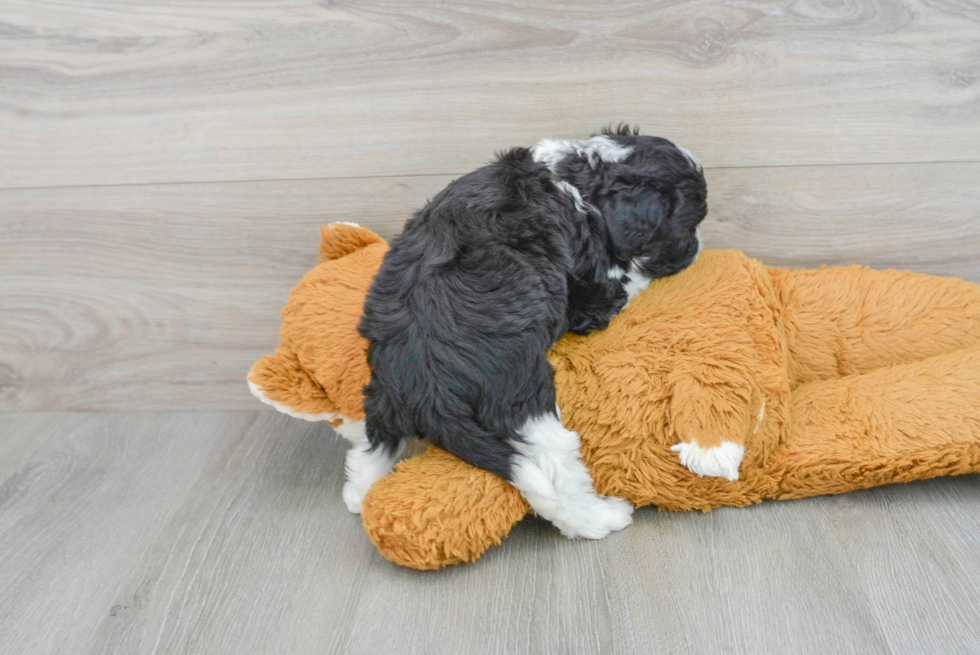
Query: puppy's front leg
x=592, y=304
x=364, y=464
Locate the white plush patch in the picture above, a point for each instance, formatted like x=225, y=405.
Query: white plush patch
x=762, y=413
x=720, y=461
x=599, y=148
x=285, y=409
x=550, y=475
x=345, y=223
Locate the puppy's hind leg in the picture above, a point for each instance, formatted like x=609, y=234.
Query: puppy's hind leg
x=549, y=473
x=366, y=463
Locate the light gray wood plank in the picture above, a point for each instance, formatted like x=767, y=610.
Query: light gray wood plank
x=262, y=558
x=112, y=91
x=923, y=218
x=161, y=297
x=537, y=593
x=772, y=578
x=914, y=549
x=225, y=534
x=82, y=498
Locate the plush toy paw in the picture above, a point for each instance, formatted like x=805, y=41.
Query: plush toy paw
x=595, y=518
x=721, y=461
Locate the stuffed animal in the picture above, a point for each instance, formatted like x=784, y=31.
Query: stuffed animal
x=726, y=384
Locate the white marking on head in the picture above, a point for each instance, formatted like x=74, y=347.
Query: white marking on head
x=549, y=474
x=720, y=461
x=603, y=148
x=690, y=157
x=580, y=204
x=550, y=152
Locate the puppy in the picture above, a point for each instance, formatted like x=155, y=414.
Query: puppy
x=487, y=277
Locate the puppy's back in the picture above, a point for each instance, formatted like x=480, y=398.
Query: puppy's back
x=464, y=307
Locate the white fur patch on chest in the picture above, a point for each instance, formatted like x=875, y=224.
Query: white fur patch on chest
x=636, y=282
x=720, y=461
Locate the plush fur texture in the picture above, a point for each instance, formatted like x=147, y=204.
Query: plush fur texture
x=830, y=380
x=490, y=274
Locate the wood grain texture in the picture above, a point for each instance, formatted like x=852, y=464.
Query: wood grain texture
x=767, y=579
x=262, y=558
x=82, y=499
x=161, y=297
x=224, y=533
x=112, y=91
x=915, y=557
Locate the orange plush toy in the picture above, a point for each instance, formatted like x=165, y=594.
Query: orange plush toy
x=726, y=384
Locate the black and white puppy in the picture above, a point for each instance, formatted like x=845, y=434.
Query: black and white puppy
x=487, y=277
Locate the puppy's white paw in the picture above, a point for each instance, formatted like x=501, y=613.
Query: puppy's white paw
x=618, y=514
x=721, y=461
x=597, y=518
x=354, y=497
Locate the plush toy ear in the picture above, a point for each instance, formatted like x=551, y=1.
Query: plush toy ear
x=320, y=367
x=339, y=239
x=281, y=381
x=436, y=510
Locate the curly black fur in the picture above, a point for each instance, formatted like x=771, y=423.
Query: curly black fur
x=623, y=129
x=496, y=268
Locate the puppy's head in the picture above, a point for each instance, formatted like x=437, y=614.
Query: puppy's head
x=651, y=193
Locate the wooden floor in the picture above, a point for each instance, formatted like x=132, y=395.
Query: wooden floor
x=164, y=168
x=224, y=533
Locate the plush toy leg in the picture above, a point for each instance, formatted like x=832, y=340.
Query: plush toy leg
x=906, y=422
x=851, y=319
x=436, y=510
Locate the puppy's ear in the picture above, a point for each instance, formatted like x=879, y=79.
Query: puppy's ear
x=634, y=221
